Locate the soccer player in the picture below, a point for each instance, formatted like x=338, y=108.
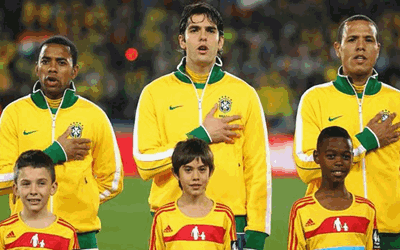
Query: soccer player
x=193, y=221
x=35, y=226
x=332, y=217
x=174, y=107
x=73, y=131
x=366, y=108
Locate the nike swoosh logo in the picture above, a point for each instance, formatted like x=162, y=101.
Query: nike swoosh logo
x=334, y=118
x=174, y=107
x=30, y=132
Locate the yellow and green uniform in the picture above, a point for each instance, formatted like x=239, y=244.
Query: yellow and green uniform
x=28, y=123
x=15, y=234
x=375, y=173
x=311, y=226
x=172, y=108
x=172, y=229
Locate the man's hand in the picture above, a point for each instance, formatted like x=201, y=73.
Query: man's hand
x=385, y=131
x=75, y=148
x=219, y=129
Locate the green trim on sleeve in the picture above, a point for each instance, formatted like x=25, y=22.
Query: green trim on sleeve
x=200, y=133
x=255, y=240
x=56, y=153
x=367, y=139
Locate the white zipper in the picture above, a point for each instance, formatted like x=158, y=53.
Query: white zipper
x=199, y=99
x=359, y=102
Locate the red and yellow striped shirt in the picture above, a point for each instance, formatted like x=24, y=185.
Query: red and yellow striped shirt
x=15, y=234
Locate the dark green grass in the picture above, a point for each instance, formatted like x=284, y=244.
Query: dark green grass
x=126, y=220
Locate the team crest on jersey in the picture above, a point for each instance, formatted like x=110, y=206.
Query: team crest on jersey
x=385, y=115
x=76, y=131
x=225, y=104
x=197, y=235
x=35, y=241
x=337, y=224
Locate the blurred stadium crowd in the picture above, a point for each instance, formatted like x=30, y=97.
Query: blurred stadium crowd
x=280, y=47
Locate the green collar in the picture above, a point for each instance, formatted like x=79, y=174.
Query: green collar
x=69, y=97
x=215, y=75
x=343, y=84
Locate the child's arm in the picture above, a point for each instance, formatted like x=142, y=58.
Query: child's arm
x=373, y=241
x=156, y=235
x=230, y=238
x=74, y=244
x=296, y=240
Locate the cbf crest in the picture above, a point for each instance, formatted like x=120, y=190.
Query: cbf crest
x=225, y=104
x=76, y=131
x=385, y=114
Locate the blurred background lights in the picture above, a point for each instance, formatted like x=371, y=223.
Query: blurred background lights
x=131, y=54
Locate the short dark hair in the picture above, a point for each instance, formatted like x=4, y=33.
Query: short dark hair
x=331, y=132
x=189, y=150
x=34, y=159
x=62, y=40
x=355, y=18
x=201, y=8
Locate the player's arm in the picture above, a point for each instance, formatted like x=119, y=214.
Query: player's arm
x=107, y=166
x=151, y=155
x=8, y=148
x=257, y=174
x=308, y=128
x=156, y=241
x=296, y=240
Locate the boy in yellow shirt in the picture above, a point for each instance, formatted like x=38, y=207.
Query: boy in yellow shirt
x=333, y=218
x=193, y=221
x=35, y=226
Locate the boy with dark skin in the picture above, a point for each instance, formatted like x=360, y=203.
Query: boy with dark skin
x=333, y=217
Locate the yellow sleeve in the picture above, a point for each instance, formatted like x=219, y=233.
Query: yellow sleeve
x=296, y=240
x=107, y=166
x=151, y=155
x=257, y=173
x=156, y=235
x=230, y=237
x=373, y=241
x=308, y=128
x=8, y=148
x=2, y=243
x=74, y=244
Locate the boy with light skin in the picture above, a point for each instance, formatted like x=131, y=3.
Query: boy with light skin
x=35, y=226
x=193, y=221
x=333, y=217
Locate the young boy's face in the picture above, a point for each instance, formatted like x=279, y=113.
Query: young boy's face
x=34, y=187
x=194, y=177
x=335, y=158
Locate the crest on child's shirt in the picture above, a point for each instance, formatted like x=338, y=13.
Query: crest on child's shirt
x=76, y=131
x=197, y=235
x=35, y=241
x=385, y=115
x=337, y=224
x=225, y=104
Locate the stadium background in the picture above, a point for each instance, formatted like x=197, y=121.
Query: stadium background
x=280, y=47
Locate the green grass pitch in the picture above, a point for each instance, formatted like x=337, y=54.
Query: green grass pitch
x=126, y=220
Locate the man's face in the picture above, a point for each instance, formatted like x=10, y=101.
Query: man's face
x=358, y=49
x=335, y=158
x=55, y=70
x=34, y=187
x=201, y=40
x=194, y=177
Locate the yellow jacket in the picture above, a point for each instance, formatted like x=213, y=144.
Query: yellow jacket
x=28, y=123
x=375, y=174
x=170, y=111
